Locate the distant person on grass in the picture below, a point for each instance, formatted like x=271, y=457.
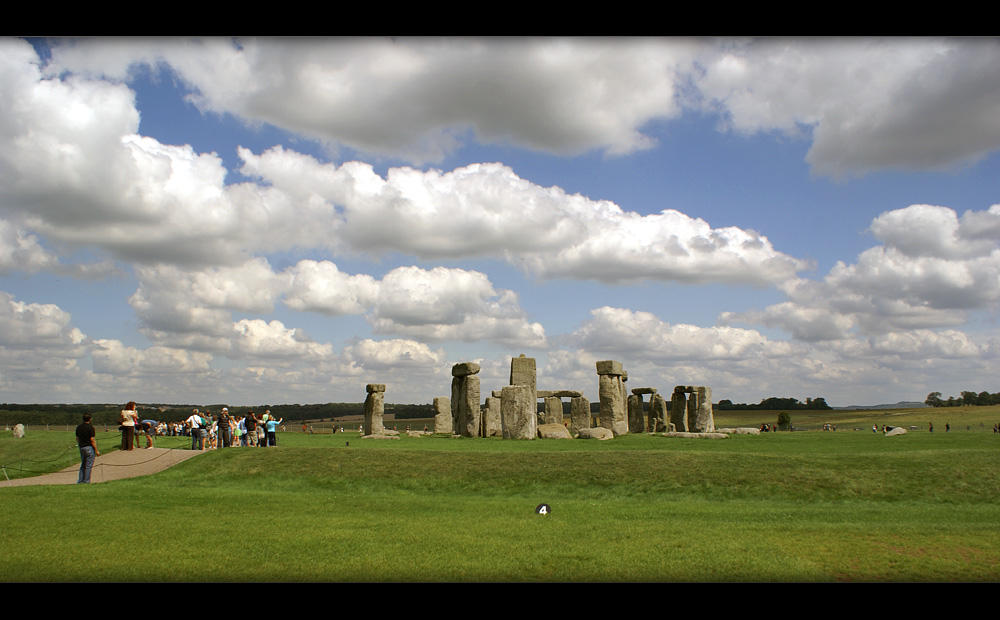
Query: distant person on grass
x=272, y=426
x=87, y=440
x=195, y=423
x=128, y=419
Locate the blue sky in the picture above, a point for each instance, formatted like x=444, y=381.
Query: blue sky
x=285, y=220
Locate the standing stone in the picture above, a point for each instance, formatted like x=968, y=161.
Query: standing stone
x=465, y=399
x=492, y=426
x=636, y=420
x=522, y=372
x=553, y=410
x=470, y=410
x=18, y=431
x=442, y=416
x=611, y=392
x=704, y=420
x=374, y=408
x=579, y=410
x=517, y=412
x=678, y=410
x=658, y=414
x=692, y=410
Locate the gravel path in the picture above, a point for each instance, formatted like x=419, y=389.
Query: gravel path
x=113, y=466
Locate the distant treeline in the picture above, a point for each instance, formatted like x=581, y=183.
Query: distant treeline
x=773, y=403
x=107, y=414
x=968, y=398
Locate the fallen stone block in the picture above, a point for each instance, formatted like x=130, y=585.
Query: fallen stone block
x=598, y=432
x=553, y=431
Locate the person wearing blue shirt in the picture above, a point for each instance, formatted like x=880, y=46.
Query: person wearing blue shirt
x=272, y=426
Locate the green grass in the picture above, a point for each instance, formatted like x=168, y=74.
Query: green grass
x=812, y=506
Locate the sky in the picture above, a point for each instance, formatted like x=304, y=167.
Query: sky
x=279, y=220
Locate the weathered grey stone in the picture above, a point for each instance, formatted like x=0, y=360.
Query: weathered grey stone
x=491, y=426
x=612, y=408
x=391, y=432
x=375, y=387
x=658, y=416
x=596, y=433
x=553, y=410
x=740, y=430
x=18, y=430
x=497, y=393
x=636, y=423
x=522, y=372
x=379, y=436
x=645, y=390
x=443, y=424
x=465, y=405
x=374, y=409
x=899, y=430
x=553, y=431
x=698, y=435
x=692, y=411
x=609, y=367
x=558, y=393
x=567, y=393
x=704, y=421
x=465, y=369
x=517, y=412
x=678, y=411
x=579, y=411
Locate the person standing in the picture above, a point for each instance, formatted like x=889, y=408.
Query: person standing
x=129, y=419
x=224, y=430
x=197, y=438
x=272, y=427
x=86, y=438
x=251, y=425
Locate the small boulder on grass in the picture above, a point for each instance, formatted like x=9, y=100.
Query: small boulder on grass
x=553, y=431
x=899, y=430
x=600, y=433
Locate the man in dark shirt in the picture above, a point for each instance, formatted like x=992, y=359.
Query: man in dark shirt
x=86, y=438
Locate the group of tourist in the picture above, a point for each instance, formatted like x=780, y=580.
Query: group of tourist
x=226, y=431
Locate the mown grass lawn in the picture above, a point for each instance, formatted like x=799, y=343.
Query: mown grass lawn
x=813, y=506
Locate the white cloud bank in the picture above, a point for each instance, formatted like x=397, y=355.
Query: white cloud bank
x=866, y=104
x=933, y=268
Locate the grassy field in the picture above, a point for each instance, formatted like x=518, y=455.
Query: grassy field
x=809, y=506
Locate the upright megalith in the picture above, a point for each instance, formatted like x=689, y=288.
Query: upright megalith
x=691, y=409
x=678, y=410
x=465, y=399
x=374, y=409
x=611, y=391
x=443, y=423
x=636, y=424
x=517, y=412
x=579, y=411
x=553, y=410
x=522, y=372
x=658, y=416
x=704, y=420
x=636, y=419
x=491, y=425
x=522, y=375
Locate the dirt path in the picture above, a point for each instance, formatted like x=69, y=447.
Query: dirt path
x=113, y=466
